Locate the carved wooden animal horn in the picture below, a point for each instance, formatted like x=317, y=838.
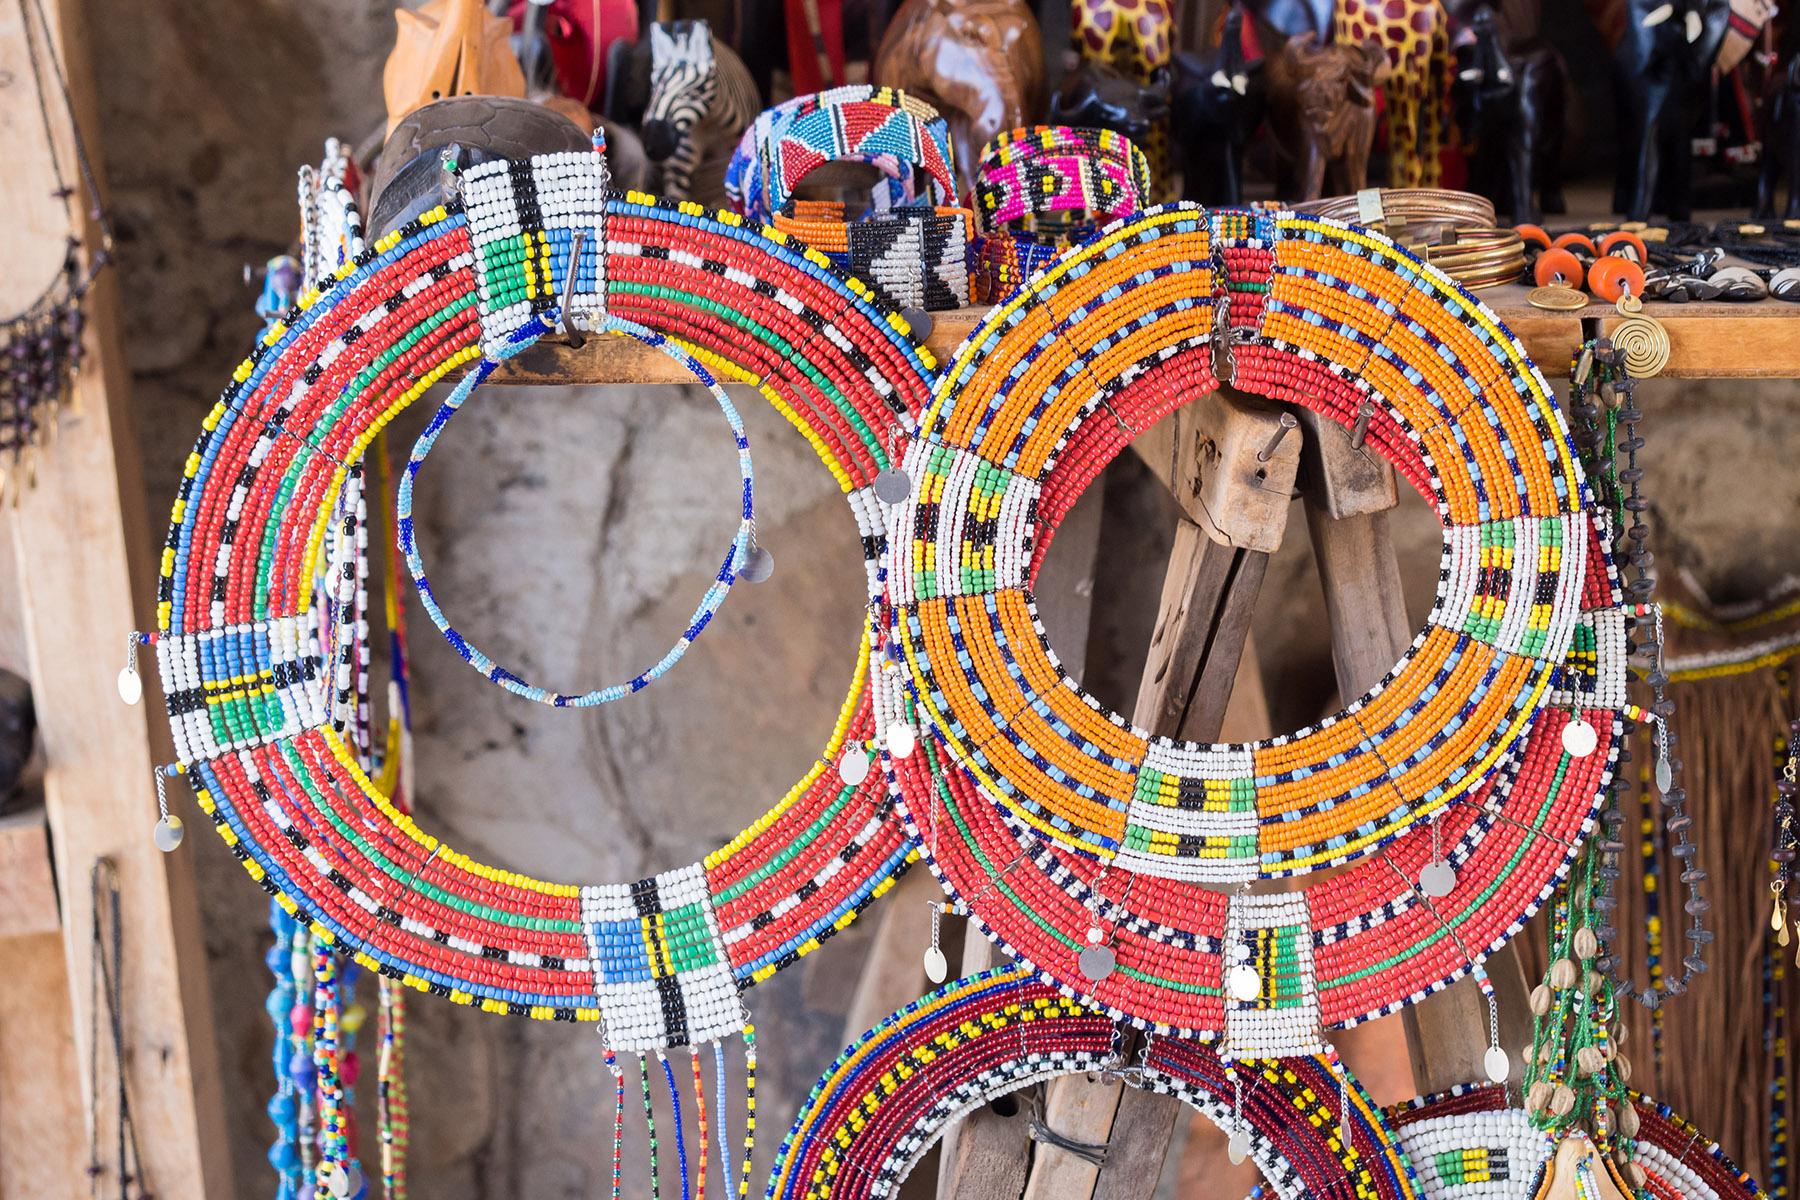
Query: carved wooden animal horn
x=449, y=48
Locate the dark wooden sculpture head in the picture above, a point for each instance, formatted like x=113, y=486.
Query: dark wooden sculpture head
x=979, y=62
x=1098, y=96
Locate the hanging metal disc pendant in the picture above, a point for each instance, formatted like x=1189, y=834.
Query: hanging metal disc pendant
x=1579, y=738
x=1097, y=962
x=1437, y=879
x=853, y=765
x=1246, y=984
x=1238, y=1148
x=131, y=686
x=168, y=834
x=937, y=968
x=893, y=486
x=1496, y=1063
x=759, y=564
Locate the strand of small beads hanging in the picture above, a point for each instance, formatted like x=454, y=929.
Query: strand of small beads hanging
x=879, y=1109
x=1576, y=1076
x=284, y=1105
x=1602, y=403
x=1470, y=1143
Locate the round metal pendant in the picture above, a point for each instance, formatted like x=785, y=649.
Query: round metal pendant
x=1238, y=1148
x=1558, y=299
x=853, y=766
x=1246, y=984
x=901, y=739
x=1665, y=775
x=936, y=968
x=131, y=686
x=1495, y=1061
x=167, y=834
x=1579, y=738
x=1097, y=962
x=918, y=324
x=759, y=564
x=893, y=486
x=1437, y=879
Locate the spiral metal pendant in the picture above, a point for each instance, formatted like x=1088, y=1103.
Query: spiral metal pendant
x=1643, y=340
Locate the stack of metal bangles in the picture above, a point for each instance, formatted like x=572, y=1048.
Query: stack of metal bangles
x=1453, y=231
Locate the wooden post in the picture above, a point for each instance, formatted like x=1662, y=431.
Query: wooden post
x=86, y=574
x=1233, y=475
x=1348, y=491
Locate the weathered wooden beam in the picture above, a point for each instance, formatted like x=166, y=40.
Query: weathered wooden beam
x=28, y=903
x=1234, y=476
x=43, y=1139
x=86, y=572
x=1446, y=1034
x=1229, y=459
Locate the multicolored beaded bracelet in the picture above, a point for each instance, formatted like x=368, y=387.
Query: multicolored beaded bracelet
x=912, y=257
x=1467, y=1143
x=1028, y=173
x=889, y=1097
x=1058, y=826
x=662, y=960
x=900, y=134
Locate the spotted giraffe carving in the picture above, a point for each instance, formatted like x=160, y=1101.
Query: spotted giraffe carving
x=1416, y=36
x=1137, y=38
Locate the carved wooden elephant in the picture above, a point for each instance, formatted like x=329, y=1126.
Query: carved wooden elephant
x=979, y=62
x=1322, y=115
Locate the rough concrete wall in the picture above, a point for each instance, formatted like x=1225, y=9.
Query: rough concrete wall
x=569, y=532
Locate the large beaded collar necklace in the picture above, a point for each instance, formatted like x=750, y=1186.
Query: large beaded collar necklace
x=890, y=1096
x=1119, y=864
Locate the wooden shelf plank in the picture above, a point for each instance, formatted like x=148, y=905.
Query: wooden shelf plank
x=1707, y=340
x=616, y=359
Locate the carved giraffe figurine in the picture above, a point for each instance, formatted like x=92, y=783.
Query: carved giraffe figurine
x=1416, y=36
x=1137, y=37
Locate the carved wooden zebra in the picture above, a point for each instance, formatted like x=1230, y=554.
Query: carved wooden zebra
x=701, y=100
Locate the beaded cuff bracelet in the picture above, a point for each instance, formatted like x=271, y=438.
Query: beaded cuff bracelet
x=1467, y=1143
x=901, y=134
x=1059, y=826
x=873, y=1115
x=913, y=257
x=662, y=960
x=1029, y=173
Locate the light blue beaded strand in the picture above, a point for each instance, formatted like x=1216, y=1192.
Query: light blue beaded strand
x=735, y=557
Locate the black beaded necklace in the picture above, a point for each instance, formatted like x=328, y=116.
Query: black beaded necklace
x=41, y=346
